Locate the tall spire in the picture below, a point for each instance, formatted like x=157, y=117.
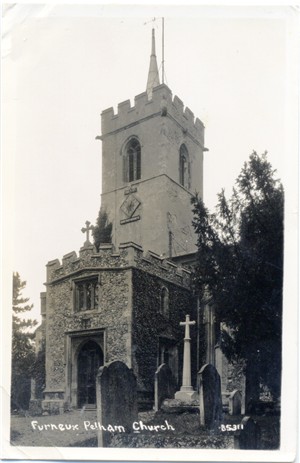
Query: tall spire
x=153, y=76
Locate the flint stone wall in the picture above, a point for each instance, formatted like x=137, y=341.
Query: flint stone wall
x=112, y=316
x=128, y=316
x=150, y=324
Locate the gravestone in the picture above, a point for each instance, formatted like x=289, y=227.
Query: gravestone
x=210, y=399
x=164, y=385
x=248, y=438
x=116, y=401
x=235, y=403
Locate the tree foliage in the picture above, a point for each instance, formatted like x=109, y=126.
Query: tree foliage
x=39, y=370
x=240, y=263
x=103, y=229
x=23, y=354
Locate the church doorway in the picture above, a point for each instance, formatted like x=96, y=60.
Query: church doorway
x=90, y=358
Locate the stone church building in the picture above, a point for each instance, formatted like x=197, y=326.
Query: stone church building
x=125, y=301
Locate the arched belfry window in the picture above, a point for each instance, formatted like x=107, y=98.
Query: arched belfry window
x=164, y=301
x=132, y=160
x=184, y=166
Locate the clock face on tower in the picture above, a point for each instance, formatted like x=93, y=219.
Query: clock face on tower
x=130, y=205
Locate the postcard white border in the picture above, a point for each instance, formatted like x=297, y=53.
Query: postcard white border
x=290, y=326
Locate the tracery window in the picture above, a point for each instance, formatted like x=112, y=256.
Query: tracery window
x=132, y=160
x=184, y=166
x=86, y=294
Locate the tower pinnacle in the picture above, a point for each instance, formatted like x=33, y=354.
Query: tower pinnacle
x=153, y=76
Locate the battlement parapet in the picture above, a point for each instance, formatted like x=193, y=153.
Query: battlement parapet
x=70, y=257
x=108, y=258
x=131, y=244
x=163, y=267
x=86, y=249
x=106, y=246
x=162, y=104
x=54, y=263
x=154, y=256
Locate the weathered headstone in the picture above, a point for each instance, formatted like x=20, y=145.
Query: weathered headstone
x=248, y=438
x=235, y=403
x=164, y=385
x=116, y=401
x=210, y=400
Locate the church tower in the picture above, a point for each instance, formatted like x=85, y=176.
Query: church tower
x=152, y=163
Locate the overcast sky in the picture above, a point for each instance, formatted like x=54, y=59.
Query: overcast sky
x=64, y=65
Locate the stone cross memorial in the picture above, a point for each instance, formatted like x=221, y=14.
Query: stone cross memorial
x=116, y=401
x=186, y=393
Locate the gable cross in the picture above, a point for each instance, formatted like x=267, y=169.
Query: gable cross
x=87, y=230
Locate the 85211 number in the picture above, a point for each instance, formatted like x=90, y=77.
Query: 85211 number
x=231, y=427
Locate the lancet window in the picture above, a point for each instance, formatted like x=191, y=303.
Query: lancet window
x=184, y=166
x=132, y=160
